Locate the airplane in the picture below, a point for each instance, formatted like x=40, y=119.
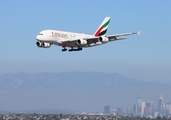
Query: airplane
x=78, y=41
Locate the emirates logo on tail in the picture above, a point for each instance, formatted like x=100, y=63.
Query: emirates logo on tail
x=103, y=27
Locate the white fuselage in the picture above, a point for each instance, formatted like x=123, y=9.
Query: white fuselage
x=57, y=37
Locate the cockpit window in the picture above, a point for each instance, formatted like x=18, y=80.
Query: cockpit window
x=40, y=33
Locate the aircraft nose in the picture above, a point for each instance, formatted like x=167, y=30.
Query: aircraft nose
x=37, y=37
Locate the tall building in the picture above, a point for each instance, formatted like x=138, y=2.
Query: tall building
x=160, y=104
x=139, y=105
x=146, y=111
x=107, y=109
x=135, y=109
x=150, y=105
x=119, y=111
x=142, y=108
x=129, y=110
x=165, y=112
x=168, y=107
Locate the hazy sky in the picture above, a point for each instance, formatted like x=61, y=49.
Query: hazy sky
x=146, y=56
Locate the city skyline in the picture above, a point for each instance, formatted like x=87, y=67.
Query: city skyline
x=123, y=74
x=143, y=109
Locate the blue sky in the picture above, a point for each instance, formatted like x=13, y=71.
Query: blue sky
x=146, y=56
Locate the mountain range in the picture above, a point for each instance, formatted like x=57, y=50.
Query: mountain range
x=75, y=91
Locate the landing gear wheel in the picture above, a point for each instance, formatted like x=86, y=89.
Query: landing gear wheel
x=80, y=49
x=72, y=49
x=63, y=50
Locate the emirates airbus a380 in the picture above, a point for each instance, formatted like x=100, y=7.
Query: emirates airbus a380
x=77, y=41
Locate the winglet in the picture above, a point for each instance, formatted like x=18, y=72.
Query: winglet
x=138, y=32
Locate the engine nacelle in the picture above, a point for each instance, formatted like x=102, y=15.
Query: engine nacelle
x=39, y=44
x=46, y=45
x=103, y=39
x=43, y=44
x=81, y=42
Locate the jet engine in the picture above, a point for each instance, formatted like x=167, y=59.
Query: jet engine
x=103, y=39
x=43, y=44
x=46, y=45
x=81, y=42
x=39, y=44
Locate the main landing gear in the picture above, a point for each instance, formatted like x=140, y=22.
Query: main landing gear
x=63, y=50
x=78, y=49
x=72, y=49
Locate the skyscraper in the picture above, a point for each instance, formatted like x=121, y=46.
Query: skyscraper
x=168, y=107
x=119, y=111
x=160, y=104
x=146, y=111
x=142, y=108
x=135, y=109
x=150, y=105
x=139, y=105
x=129, y=110
x=107, y=109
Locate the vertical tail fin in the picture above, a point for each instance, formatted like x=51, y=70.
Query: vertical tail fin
x=103, y=27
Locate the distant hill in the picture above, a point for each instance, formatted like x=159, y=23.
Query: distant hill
x=84, y=91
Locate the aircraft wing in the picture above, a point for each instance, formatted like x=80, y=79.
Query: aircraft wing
x=114, y=37
x=73, y=42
